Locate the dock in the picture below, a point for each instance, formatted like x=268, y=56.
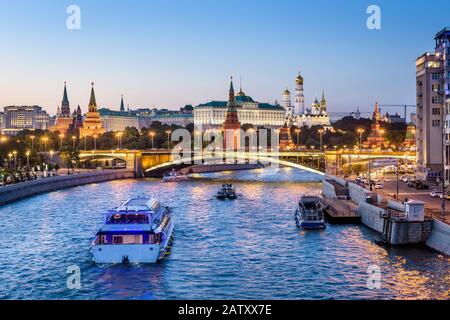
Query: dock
x=341, y=211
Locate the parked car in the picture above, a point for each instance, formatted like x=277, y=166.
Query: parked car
x=421, y=186
x=411, y=184
x=436, y=194
x=379, y=186
x=404, y=179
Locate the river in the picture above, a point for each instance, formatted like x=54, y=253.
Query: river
x=249, y=248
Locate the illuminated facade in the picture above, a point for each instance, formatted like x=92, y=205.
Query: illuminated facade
x=376, y=136
x=64, y=120
x=92, y=123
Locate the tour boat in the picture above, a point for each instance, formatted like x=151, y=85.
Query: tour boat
x=174, y=176
x=139, y=231
x=226, y=191
x=309, y=214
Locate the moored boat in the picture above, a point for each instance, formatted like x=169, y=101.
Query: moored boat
x=309, y=213
x=139, y=231
x=175, y=176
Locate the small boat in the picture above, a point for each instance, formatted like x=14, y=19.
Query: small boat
x=309, y=214
x=175, y=176
x=226, y=191
x=141, y=230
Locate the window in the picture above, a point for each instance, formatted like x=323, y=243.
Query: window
x=436, y=123
x=436, y=76
x=436, y=100
x=435, y=87
x=117, y=239
x=436, y=111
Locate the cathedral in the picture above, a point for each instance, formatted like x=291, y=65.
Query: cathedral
x=299, y=116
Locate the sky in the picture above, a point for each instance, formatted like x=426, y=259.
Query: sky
x=169, y=53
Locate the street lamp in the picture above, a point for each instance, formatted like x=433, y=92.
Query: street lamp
x=51, y=156
x=95, y=142
x=297, y=131
x=45, y=140
x=360, y=131
x=152, y=136
x=61, y=137
x=10, y=158
x=74, y=139
x=321, y=138
x=15, y=158
x=32, y=142
x=28, y=159
x=119, y=138
x=168, y=138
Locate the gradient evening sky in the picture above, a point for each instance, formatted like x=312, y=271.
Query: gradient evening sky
x=175, y=52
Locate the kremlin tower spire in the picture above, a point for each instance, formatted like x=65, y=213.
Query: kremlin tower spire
x=231, y=126
x=92, y=101
x=65, y=105
x=299, y=96
x=122, y=105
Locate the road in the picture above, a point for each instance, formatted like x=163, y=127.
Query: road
x=433, y=204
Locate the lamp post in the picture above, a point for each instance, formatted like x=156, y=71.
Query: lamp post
x=10, y=159
x=297, y=131
x=168, y=138
x=95, y=142
x=51, y=156
x=61, y=137
x=15, y=159
x=74, y=140
x=32, y=142
x=45, y=140
x=152, y=136
x=119, y=139
x=321, y=138
x=28, y=159
x=360, y=131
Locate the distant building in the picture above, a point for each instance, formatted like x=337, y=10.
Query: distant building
x=393, y=118
x=118, y=120
x=212, y=114
x=410, y=138
x=19, y=118
x=299, y=116
x=376, y=136
x=92, y=123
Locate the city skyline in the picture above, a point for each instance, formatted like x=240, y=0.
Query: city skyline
x=353, y=64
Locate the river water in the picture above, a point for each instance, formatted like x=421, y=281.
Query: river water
x=249, y=248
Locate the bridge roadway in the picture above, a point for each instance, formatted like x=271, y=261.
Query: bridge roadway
x=312, y=160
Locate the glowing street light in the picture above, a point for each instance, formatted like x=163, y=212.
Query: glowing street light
x=321, y=138
x=45, y=140
x=152, y=136
x=95, y=142
x=28, y=159
x=297, y=131
x=74, y=140
x=61, y=137
x=119, y=139
x=10, y=158
x=32, y=142
x=360, y=131
x=168, y=132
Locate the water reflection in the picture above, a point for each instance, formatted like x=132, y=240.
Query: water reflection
x=244, y=249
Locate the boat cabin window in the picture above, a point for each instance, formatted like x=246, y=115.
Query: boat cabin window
x=128, y=219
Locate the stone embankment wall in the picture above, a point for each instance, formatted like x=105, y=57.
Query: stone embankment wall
x=26, y=189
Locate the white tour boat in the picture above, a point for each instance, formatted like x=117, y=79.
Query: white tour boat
x=139, y=231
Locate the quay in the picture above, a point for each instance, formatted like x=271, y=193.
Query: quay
x=14, y=192
x=397, y=223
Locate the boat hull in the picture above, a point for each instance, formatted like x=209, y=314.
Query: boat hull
x=140, y=253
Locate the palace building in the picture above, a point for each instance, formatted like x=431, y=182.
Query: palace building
x=212, y=115
x=92, y=124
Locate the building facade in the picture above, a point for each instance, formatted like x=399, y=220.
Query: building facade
x=64, y=119
x=433, y=111
x=212, y=115
x=19, y=118
x=376, y=135
x=92, y=123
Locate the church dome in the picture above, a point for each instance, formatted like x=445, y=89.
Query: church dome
x=299, y=79
x=286, y=91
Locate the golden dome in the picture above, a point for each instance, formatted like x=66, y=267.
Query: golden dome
x=286, y=92
x=299, y=79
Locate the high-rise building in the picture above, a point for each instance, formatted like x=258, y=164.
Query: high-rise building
x=433, y=110
x=92, y=124
x=19, y=118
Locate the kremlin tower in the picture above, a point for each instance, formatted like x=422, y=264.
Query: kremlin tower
x=231, y=126
x=92, y=124
x=64, y=119
x=375, y=138
x=299, y=96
